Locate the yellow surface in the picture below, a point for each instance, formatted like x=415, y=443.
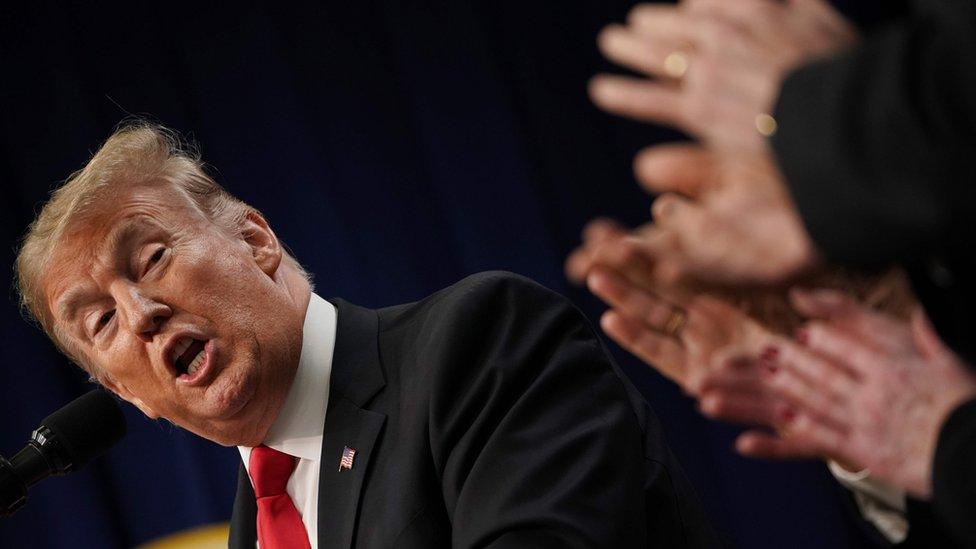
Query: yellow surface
x=204, y=537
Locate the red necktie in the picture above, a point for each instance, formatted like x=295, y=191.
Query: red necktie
x=279, y=524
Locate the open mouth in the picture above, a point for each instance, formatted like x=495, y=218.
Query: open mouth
x=189, y=356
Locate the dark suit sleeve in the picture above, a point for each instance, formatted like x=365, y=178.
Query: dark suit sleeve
x=954, y=474
x=532, y=432
x=877, y=144
x=925, y=528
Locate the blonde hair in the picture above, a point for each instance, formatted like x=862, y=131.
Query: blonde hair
x=137, y=153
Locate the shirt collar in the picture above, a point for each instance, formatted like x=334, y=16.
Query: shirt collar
x=297, y=430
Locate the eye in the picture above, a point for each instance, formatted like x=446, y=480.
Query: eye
x=154, y=259
x=104, y=319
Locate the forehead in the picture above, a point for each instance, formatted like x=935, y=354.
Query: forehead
x=118, y=220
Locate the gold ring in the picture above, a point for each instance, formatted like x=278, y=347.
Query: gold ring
x=766, y=124
x=676, y=64
x=675, y=323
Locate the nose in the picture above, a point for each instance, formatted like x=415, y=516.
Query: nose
x=142, y=315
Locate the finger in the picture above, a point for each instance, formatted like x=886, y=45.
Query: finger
x=840, y=347
x=793, y=386
x=739, y=376
x=827, y=437
x=744, y=407
x=647, y=230
x=638, y=98
x=732, y=365
x=580, y=260
x=662, y=353
x=758, y=444
x=858, y=322
x=639, y=52
x=601, y=229
x=837, y=381
x=683, y=168
x=669, y=266
x=629, y=300
x=821, y=303
x=628, y=257
x=578, y=264
x=681, y=216
x=661, y=21
x=750, y=14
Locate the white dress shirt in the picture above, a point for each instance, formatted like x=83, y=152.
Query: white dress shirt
x=881, y=504
x=297, y=431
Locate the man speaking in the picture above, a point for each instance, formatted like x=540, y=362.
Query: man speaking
x=486, y=415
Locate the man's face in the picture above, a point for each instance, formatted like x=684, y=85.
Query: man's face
x=182, y=318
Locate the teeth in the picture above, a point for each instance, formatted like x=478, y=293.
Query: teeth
x=195, y=363
x=181, y=346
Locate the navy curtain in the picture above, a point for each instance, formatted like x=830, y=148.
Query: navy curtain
x=395, y=147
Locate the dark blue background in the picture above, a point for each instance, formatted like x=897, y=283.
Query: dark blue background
x=395, y=147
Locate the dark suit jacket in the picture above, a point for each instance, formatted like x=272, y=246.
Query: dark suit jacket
x=488, y=415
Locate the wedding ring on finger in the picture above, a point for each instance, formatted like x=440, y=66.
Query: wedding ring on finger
x=675, y=323
x=766, y=125
x=676, y=64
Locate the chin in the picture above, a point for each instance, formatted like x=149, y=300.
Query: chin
x=222, y=413
x=229, y=395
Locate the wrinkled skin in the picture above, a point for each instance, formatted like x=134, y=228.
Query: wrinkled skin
x=738, y=53
x=725, y=215
x=174, y=272
x=870, y=389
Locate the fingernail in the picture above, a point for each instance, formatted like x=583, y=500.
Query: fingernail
x=767, y=359
x=802, y=336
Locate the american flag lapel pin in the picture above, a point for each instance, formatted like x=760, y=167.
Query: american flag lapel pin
x=348, y=455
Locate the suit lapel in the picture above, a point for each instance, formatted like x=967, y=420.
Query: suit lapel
x=356, y=377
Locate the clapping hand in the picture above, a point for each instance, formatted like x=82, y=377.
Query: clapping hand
x=677, y=331
x=867, y=389
x=716, y=65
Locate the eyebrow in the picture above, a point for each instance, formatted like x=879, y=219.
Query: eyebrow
x=68, y=304
x=123, y=234
x=120, y=236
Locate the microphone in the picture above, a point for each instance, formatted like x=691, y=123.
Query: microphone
x=66, y=441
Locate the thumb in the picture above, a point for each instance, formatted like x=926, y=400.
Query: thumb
x=676, y=167
x=925, y=336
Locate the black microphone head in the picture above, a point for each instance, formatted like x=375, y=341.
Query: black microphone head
x=83, y=429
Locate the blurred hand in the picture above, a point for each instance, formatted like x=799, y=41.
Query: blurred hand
x=725, y=219
x=677, y=332
x=867, y=389
x=717, y=64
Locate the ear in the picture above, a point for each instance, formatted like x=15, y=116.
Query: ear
x=264, y=245
x=127, y=396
